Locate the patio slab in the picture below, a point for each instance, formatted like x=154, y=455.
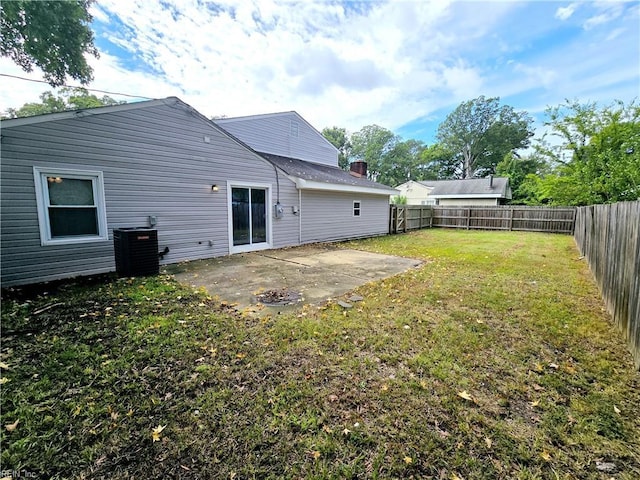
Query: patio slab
x=316, y=272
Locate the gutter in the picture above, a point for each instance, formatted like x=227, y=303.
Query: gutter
x=303, y=184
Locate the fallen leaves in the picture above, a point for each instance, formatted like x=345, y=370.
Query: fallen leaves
x=156, y=433
x=464, y=394
x=12, y=426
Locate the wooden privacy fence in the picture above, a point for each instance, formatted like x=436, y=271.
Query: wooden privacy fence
x=523, y=218
x=607, y=236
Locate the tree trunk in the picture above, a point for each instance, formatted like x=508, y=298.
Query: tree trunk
x=467, y=170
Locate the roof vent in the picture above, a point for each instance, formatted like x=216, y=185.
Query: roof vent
x=490, y=181
x=293, y=129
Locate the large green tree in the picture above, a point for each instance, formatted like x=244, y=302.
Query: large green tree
x=68, y=99
x=596, y=154
x=340, y=139
x=390, y=159
x=519, y=169
x=371, y=144
x=402, y=162
x=53, y=35
x=435, y=163
x=481, y=132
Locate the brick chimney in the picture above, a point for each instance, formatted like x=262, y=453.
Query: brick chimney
x=358, y=168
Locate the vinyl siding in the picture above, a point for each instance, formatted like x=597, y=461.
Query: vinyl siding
x=328, y=216
x=271, y=134
x=155, y=162
x=414, y=192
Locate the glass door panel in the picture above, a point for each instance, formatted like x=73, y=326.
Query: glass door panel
x=249, y=215
x=241, y=216
x=258, y=215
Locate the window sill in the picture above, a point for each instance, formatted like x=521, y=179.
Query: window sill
x=73, y=241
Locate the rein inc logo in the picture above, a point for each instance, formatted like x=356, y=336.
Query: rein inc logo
x=11, y=474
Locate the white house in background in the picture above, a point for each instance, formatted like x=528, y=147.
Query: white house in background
x=475, y=191
x=210, y=189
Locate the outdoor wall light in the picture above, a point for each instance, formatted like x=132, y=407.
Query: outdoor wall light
x=215, y=188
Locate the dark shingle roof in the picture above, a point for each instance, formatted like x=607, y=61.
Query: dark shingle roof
x=469, y=187
x=321, y=173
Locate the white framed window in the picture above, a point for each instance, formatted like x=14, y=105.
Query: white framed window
x=71, y=206
x=356, y=208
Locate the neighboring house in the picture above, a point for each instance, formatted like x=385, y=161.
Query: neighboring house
x=68, y=179
x=475, y=191
x=416, y=193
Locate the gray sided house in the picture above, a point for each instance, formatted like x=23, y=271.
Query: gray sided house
x=68, y=179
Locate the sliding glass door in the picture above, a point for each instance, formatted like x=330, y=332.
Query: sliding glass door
x=249, y=215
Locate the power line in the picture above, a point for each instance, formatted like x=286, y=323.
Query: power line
x=73, y=86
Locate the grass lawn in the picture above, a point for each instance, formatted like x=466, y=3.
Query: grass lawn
x=495, y=359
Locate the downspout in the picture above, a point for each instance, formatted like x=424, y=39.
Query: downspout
x=300, y=213
x=277, y=184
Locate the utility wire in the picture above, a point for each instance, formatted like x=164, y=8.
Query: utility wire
x=72, y=86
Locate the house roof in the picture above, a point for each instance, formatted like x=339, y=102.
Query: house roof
x=67, y=114
x=496, y=187
x=309, y=175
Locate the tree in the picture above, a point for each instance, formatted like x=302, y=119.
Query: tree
x=401, y=163
x=390, y=159
x=435, y=163
x=53, y=35
x=598, y=157
x=480, y=133
x=69, y=99
x=371, y=144
x=518, y=169
x=339, y=139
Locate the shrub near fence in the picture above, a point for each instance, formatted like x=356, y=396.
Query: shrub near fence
x=607, y=236
x=522, y=218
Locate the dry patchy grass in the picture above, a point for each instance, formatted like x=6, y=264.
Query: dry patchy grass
x=495, y=359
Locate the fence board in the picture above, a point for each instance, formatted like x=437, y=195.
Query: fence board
x=608, y=237
x=521, y=218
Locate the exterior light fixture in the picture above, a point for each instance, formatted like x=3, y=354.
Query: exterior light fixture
x=215, y=188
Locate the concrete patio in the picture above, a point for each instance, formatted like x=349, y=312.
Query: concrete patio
x=289, y=277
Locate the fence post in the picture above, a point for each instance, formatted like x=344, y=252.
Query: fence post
x=405, y=212
x=391, y=211
x=510, y=219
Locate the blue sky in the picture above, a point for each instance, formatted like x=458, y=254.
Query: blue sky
x=403, y=65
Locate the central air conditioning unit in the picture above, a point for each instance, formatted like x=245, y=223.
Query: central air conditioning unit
x=136, y=251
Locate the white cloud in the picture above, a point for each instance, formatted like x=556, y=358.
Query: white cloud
x=564, y=13
x=352, y=64
x=536, y=75
x=609, y=11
